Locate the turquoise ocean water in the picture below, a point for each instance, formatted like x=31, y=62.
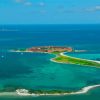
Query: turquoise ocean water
x=36, y=71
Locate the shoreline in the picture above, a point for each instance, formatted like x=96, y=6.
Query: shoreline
x=24, y=92
x=62, y=54
x=79, y=58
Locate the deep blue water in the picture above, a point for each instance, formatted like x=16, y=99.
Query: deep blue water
x=36, y=71
x=83, y=36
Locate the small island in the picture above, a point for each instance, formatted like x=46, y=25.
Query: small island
x=45, y=49
x=25, y=92
x=60, y=57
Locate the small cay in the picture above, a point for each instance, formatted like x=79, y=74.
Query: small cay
x=61, y=58
x=24, y=92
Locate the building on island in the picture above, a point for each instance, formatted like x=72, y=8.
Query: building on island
x=50, y=49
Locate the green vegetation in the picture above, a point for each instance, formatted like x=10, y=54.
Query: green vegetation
x=47, y=91
x=56, y=52
x=72, y=60
x=21, y=50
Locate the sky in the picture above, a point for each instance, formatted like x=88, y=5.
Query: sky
x=49, y=11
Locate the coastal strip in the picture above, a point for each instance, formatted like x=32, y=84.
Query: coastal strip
x=62, y=53
x=62, y=58
x=36, y=93
x=24, y=92
x=65, y=59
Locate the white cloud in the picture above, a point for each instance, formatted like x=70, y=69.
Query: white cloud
x=28, y=3
x=93, y=9
x=97, y=7
x=42, y=4
x=24, y=2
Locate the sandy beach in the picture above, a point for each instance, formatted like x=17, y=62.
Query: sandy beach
x=24, y=92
